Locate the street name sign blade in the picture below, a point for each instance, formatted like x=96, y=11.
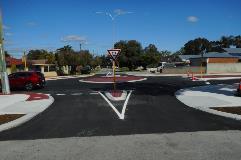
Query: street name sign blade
x=114, y=53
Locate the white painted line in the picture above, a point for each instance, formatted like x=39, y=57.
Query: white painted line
x=207, y=82
x=60, y=94
x=111, y=105
x=76, y=94
x=125, y=104
x=95, y=82
x=122, y=114
x=94, y=93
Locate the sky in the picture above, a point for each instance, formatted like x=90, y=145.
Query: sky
x=96, y=24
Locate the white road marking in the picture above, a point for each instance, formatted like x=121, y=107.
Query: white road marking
x=60, y=94
x=76, y=94
x=94, y=93
x=122, y=114
x=207, y=82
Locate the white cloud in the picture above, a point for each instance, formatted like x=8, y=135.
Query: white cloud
x=192, y=19
x=74, y=38
x=6, y=27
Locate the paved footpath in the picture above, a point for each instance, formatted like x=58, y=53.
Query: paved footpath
x=28, y=104
x=220, y=145
x=206, y=98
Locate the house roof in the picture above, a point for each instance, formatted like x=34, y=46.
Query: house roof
x=188, y=57
x=217, y=55
x=232, y=50
x=13, y=61
x=212, y=55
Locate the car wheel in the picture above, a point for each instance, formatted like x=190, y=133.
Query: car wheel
x=42, y=85
x=29, y=86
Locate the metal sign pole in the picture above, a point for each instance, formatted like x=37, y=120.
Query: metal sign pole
x=4, y=75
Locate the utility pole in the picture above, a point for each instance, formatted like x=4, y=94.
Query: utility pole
x=3, y=70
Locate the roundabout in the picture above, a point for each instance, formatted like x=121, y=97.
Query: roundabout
x=110, y=79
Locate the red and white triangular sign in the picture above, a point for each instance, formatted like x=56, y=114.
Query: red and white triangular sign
x=114, y=53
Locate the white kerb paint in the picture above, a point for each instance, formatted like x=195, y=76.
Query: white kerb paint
x=122, y=114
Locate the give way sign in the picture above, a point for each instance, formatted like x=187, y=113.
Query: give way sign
x=114, y=53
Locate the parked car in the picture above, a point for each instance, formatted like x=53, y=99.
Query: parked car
x=85, y=70
x=27, y=80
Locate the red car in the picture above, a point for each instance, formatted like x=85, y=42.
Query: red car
x=27, y=80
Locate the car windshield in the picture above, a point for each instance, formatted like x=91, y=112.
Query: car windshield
x=120, y=79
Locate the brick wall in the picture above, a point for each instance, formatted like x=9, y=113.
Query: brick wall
x=223, y=60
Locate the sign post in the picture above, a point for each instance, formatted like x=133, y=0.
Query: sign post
x=114, y=54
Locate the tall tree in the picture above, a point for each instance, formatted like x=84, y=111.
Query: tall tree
x=130, y=53
x=237, y=41
x=150, y=56
x=41, y=54
x=196, y=46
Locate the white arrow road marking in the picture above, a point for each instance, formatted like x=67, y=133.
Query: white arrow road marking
x=122, y=114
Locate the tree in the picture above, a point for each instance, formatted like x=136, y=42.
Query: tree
x=85, y=58
x=237, y=41
x=196, y=46
x=65, y=56
x=130, y=53
x=41, y=54
x=216, y=46
x=96, y=61
x=150, y=56
x=225, y=42
x=7, y=54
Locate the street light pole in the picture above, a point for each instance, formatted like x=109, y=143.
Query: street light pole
x=3, y=70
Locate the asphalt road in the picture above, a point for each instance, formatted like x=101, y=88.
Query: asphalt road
x=79, y=111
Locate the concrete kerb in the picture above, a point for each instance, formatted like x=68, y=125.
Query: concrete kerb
x=27, y=116
x=207, y=109
x=69, y=77
x=111, y=82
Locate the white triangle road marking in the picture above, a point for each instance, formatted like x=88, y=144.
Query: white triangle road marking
x=122, y=114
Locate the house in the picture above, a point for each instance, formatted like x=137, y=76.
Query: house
x=43, y=66
x=14, y=65
x=213, y=57
x=236, y=52
x=186, y=58
x=215, y=62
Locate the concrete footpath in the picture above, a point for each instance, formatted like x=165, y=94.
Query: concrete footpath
x=220, y=145
x=206, y=98
x=28, y=104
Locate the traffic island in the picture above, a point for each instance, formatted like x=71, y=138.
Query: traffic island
x=9, y=117
x=232, y=110
x=110, y=79
x=16, y=109
x=215, y=99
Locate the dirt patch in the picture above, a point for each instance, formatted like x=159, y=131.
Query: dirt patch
x=9, y=117
x=233, y=110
